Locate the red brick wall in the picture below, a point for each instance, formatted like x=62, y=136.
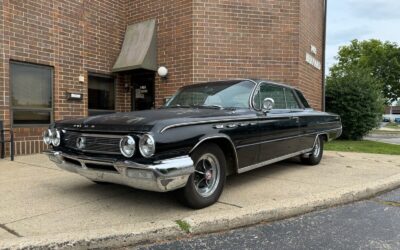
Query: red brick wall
x=311, y=33
x=74, y=37
x=243, y=38
x=174, y=38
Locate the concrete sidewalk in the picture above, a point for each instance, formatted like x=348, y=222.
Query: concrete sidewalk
x=43, y=206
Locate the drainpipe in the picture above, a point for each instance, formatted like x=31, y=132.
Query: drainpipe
x=323, y=54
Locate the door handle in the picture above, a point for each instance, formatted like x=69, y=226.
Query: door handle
x=295, y=118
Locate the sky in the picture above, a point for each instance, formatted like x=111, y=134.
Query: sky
x=360, y=19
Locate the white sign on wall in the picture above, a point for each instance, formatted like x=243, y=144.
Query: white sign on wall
x=310, y=59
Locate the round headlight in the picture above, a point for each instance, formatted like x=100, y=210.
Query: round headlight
x=127, y=146
x=56, y=138
x=147, y=145
x=47, y=136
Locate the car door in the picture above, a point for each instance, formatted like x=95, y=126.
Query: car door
x=279, y=128
x=308, y=123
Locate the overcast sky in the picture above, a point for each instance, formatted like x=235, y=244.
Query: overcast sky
x=360, y=19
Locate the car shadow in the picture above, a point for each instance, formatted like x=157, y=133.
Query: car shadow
x=136, y=197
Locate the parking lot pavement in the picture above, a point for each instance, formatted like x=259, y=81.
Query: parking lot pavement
x=368, y=224
x=38, y=199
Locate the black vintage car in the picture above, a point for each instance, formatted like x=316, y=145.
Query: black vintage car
x=204, y=133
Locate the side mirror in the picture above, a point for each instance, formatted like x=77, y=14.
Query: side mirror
x=268, y=104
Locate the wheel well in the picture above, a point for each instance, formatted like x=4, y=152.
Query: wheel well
x=228, y=150
x=324, y=137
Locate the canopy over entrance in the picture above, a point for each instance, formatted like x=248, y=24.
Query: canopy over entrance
x=139, y=50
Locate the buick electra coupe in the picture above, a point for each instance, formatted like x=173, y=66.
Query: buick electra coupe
x=204, y=133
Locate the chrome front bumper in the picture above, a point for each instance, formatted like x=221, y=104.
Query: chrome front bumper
x=161, y=176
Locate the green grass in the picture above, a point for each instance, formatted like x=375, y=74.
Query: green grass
x=363, y=147
x=386, y=132
x=183, y=225
x=392, y=125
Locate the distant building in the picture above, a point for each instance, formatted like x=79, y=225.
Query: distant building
x=392, y=110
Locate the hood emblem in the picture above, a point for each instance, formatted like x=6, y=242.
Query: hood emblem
x=81, y=142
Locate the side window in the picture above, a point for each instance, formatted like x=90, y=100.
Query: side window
x=302, y=99
x=270, y=91
x=291, y=100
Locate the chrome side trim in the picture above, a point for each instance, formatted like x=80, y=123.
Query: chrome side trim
x=281, y=158
x=206, y=122
x=219, y=137
x=290, y=137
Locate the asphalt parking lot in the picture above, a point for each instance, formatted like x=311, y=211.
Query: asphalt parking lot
x=41, y=201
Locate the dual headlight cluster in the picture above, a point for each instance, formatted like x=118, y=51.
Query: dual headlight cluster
x=147, y=146
x=52, y=136
x=127, y=145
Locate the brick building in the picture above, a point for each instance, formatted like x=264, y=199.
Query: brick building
x=58, y=58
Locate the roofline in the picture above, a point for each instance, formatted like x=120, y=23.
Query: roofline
x=256, y=81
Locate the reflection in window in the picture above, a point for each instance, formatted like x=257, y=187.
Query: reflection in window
x=224, y=94
x=291, y=99
x=271, y=91
x=31, y=86
x=101, y=95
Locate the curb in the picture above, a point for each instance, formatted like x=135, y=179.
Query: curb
x=147, y=233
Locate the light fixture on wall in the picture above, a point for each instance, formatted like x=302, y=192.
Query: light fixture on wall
x=162, y=72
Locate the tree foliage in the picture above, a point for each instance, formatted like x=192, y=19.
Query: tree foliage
x=380, y=59
x=355, y=96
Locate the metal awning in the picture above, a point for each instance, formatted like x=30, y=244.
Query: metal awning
x=139, y=50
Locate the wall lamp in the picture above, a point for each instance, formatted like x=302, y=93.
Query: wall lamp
x=162, y=72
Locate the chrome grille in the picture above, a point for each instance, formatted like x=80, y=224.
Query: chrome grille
x=106, y=144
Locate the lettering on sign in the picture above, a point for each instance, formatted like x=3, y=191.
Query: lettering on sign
x=314, y=50
x=313, y=61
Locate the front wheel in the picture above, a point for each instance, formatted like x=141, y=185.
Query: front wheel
x=315, y=155
x=205, y=185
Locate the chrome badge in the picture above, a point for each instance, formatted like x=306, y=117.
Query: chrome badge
x=81, y=142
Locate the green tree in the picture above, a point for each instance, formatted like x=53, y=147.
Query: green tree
x=356, y=97
x=380, y=59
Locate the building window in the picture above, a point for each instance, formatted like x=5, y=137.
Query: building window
x=101, y=94
x=31, y=93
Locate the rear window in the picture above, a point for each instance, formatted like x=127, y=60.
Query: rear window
x=302, y=99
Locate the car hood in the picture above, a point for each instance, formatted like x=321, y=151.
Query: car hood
x=149, y=119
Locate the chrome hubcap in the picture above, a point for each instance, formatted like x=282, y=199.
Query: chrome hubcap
x=206, y=175
x=317, y=148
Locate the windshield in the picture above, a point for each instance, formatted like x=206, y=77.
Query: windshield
x=218, y=95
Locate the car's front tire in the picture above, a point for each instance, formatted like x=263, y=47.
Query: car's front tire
x=205, y=185
x=315, y=155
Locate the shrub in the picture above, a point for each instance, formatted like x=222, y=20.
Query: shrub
x=356, y=97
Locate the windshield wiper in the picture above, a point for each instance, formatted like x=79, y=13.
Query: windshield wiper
x=177, y=106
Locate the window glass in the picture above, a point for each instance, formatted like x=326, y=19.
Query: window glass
x=31, y=87
x=31, y=117
x=223, y=94
x=101, y=94
x=270, y=91
x=302, y=99
x=291, y=101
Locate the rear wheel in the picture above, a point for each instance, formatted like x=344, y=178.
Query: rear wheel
x=316, y=154
x=205, y=185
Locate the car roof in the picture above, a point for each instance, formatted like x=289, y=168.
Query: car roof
x=235, y=81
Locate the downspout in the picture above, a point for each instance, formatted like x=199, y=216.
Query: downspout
x=323, y=54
